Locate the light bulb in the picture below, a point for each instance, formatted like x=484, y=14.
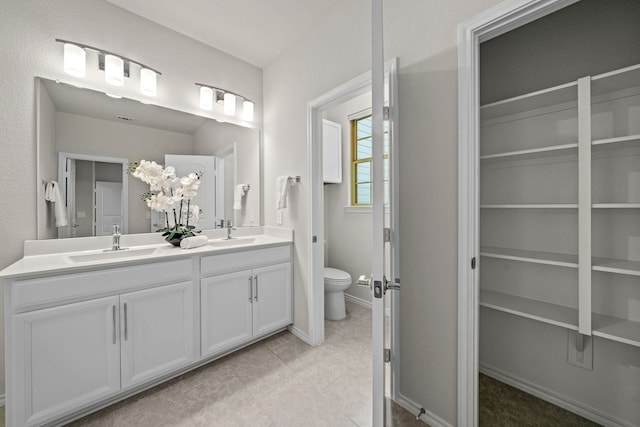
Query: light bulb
x=75, y=60
x=113, y=70
x=247, y=111
x=148, y=82
x=229, y=104
x=206, y=98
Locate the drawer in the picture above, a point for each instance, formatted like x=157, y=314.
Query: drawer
x=73, y=287
x=235, y=261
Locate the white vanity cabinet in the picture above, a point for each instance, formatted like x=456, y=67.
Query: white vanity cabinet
x=64, y=357
x=157, y=332
x=242, y=305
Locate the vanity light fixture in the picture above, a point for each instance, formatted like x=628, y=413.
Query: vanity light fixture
x=228, y=99
x=116, y=67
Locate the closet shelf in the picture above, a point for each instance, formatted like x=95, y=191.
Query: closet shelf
x=533, y=206
x=624, y=141
x=616, y=329
x=565, y=317
x=533, y=153
x=531, y=101
x=618, y=266
x=616, y=80
x=626, y=205
x=536, y=257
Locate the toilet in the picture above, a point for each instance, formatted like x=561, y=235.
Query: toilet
x=335, y=283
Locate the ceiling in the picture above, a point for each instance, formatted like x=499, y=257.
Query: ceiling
x=90, y=103
x=256, y=31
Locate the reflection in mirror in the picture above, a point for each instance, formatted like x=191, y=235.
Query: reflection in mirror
x=86, y=140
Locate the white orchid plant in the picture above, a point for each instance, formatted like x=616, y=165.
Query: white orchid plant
x=170, y=195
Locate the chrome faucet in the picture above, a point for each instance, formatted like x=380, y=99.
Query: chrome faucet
x=229, y=226
x=115, y=246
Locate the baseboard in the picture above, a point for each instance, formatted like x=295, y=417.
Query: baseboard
x=364, y=303
x=300, y=334
x=554, y=398
x=428, y=417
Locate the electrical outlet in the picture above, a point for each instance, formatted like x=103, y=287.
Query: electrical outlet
x=584, y=358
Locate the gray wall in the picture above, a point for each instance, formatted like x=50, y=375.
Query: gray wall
x=28, y=29
x=423, y=35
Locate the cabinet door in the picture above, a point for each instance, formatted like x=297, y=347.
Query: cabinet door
x=157, y=332
x=226, y=311
x=272, y=298
x=66, y=357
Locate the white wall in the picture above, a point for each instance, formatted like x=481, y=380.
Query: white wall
x=28, y=29
x=347, y=234
x=423, y=36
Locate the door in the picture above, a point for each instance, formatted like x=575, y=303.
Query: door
x=226, y=307
x=70, y=357
x=206, y=197
x=271, y=298
x=157, y=332
x=108, y=207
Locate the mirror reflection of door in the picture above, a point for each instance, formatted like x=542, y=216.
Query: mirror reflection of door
x=93, y=189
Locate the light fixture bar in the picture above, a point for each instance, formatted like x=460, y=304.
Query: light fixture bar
x=223, y=91
x=106, y=52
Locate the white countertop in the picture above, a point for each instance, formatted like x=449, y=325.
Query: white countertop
x=69, y=255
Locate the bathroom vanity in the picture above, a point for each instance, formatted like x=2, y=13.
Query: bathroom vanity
x=85, y=328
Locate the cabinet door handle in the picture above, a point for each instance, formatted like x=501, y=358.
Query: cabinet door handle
x=250, y=288
x=126, y=326
x=114, y=323
x=256, y=281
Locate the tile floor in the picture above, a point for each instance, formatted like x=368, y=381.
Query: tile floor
x=278, y=382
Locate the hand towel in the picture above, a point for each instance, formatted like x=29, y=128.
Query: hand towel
x=238, y=192
x=282, y=186
x=52, y=194
x=193, y=242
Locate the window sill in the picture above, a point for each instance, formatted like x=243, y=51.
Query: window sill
x=362, y=209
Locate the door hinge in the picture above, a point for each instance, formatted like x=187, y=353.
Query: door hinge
x=387, y=355
x=387, y=235
x=386, y=113
x=314, y=239
x=473, y=263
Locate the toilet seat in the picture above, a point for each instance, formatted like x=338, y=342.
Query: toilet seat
x=335, y=276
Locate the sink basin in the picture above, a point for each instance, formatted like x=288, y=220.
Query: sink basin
x=235, y=241
x=106, y=256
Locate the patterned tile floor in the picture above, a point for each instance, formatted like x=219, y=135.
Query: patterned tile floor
x=278, y=382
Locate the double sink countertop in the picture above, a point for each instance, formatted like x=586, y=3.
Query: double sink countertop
x=86, y=253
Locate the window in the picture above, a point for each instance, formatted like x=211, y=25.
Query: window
x=361, y=161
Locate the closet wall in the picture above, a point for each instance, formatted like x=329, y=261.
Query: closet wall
x=560, y=209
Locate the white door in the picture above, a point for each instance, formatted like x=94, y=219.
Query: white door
x=271, y=298
x=206, y=197
x=157, y=329
x=226, y=307
x=108, y=207
x=70, y=357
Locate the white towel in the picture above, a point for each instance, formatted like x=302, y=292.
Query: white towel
x=52, y=194
x=238, y=192
x=193, y=242
x=282, y=186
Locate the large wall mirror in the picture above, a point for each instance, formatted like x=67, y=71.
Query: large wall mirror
x=87, y=139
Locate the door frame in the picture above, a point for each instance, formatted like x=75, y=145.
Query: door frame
x=489, y=24
x=315, y=276
x=62, y=162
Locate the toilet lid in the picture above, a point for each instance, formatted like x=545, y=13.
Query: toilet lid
x=336, y=275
